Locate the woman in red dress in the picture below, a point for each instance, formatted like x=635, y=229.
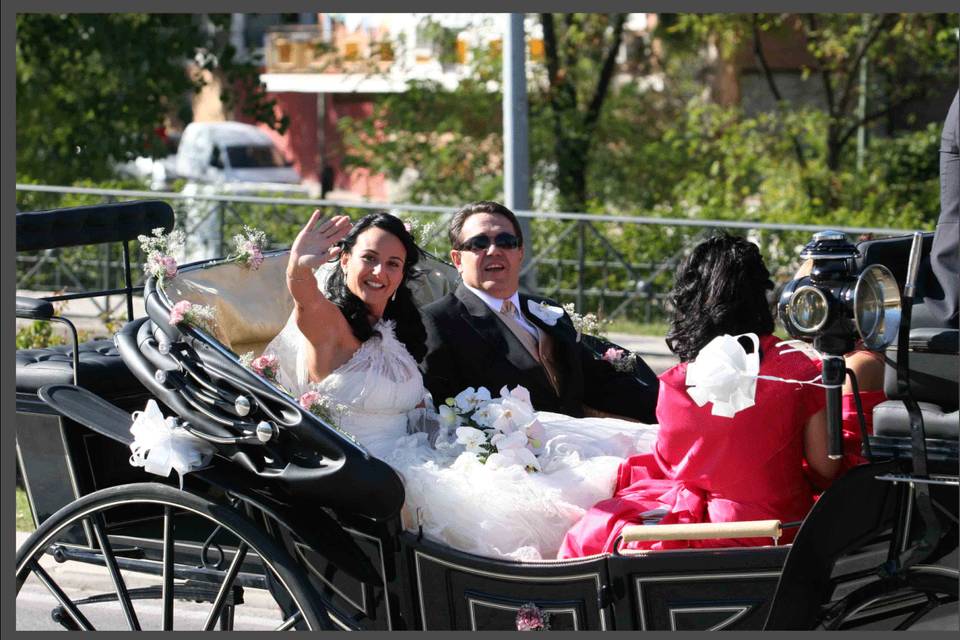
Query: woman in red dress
x=708, y=468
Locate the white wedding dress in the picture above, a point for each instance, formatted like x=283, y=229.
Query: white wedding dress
x=503, y=512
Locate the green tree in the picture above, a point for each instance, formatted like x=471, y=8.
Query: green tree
x=581, y=51
x=911, y=55
x=92, y=89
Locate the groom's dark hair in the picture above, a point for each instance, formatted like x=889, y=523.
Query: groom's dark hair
x=480, y=206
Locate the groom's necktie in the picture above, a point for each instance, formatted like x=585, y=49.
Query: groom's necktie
x=541, y=350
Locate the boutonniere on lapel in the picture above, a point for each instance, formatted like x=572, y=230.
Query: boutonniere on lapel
x=548, y=314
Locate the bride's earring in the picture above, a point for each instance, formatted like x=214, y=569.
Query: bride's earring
x=393, y=298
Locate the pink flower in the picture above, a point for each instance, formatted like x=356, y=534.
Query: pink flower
x=169, y=265
x=256, y=258
x=531, y=618
x=266, y=365
x=308, y=399
x=612, y=355
x=180, y=311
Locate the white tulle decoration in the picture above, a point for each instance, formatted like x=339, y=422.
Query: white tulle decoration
x=159, y=445
x=725, y=374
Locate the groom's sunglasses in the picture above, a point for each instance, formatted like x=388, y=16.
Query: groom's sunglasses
x=482, y=242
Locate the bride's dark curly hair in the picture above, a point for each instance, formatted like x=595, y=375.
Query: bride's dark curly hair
x=720, y=288
x=401, y=309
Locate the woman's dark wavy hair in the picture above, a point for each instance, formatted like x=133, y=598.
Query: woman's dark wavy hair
x=720, y=288
x=402, y=308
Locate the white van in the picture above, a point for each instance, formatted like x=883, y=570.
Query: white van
x=225, y=152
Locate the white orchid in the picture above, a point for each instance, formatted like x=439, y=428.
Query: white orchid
x=483, y=416
x=515, y=410
x=519, y=392
x=509, y=457
x=502, y=418
x=473, y=439
x=448, y=417
x=469, y=399
x=514, y=440
x=536, y=435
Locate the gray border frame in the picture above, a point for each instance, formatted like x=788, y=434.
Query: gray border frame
x=7, y=222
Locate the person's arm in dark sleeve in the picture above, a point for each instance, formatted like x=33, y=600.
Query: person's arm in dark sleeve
x=440, y=373
x=632, y=395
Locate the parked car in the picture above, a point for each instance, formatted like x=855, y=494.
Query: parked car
x=219, y=152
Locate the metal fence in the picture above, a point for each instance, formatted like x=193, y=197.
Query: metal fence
x=618, y=266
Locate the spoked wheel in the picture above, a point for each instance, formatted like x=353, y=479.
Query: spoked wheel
x=149, y=556
x=924, y=597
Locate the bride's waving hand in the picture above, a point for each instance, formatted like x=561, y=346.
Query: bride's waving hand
x=328, y=334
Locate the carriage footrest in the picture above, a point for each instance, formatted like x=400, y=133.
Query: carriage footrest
x=933, y=479
x=900, y=448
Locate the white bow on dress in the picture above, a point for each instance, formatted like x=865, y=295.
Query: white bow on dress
x=725, y=374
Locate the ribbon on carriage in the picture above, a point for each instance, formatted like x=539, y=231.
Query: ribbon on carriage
x=726, y=375
x=159, y=445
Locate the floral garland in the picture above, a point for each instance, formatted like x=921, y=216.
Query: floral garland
x=266, y=365
x=248, y=247
x=586, y=323
x=321, y=406
x=500, y=432
x=160, y=248
x=531, y=618
x=196, y=315
x=620, y=361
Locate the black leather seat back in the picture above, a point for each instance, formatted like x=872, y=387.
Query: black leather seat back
x=96, y=224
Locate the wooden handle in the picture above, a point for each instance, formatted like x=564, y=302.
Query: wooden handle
x=703, y=531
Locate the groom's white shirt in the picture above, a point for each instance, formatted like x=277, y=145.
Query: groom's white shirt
x=496, y=303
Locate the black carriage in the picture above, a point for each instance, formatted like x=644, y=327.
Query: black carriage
x=294, y=525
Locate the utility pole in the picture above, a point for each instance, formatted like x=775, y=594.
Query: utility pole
x=516, y=153
x=862, y=102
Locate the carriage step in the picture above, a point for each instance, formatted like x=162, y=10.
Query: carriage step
x=952, y=481
x=62, y=553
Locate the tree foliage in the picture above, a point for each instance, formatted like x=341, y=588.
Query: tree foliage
x=92, y=89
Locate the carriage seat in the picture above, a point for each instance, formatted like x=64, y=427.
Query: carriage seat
x=102, y=371
x=933, y=383
x=252, y=306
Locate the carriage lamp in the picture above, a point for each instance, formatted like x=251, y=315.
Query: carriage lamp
x=833, y=305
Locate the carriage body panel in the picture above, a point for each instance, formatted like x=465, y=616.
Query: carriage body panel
x=335, y=512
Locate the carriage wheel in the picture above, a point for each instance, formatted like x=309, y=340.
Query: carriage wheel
x=144, y=555
x=913, y=601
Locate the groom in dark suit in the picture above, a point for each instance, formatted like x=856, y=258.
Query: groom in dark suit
x=486, y=334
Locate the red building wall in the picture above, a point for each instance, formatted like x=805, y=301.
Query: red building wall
x=301, y=143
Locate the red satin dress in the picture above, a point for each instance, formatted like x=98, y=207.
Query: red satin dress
x=706, y=468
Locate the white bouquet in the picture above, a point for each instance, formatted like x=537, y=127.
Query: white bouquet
x=500, y=431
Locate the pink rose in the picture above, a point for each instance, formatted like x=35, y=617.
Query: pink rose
x=612, y=355
x=169, y=265
x=180, y=311
x=308, y=399
x=256, y=258
x=266, y=365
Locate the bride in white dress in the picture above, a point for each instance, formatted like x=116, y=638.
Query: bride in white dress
x=375, y=390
